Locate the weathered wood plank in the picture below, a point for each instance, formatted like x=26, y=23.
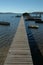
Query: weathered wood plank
x=19, y=52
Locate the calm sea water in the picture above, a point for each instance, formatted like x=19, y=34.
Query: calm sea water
x=35, y=37
x=7, y=33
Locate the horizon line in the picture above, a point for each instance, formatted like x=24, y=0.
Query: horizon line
x=18, y=12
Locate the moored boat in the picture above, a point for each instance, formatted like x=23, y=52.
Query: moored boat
x=33, y=26
x=4, y=23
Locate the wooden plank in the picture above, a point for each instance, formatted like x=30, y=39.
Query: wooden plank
x=19, y=52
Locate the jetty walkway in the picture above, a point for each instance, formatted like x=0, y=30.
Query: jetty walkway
x=19, y=51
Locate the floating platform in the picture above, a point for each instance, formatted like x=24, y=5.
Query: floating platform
x=33, y=26
x=33, y=19
x=39, y=21
x=4, y=23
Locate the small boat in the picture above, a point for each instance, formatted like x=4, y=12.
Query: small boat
x=39, y=21
x=4, y=23
x=33, y=26
x=18, y=16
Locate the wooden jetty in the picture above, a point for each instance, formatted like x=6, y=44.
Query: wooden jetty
x=19, y=52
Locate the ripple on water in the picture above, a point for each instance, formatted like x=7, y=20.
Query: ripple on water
x=6, y=34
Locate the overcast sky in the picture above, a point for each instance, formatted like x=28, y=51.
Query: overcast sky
x=21, y=5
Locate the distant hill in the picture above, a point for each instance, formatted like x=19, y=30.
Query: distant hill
x=6, y=13
x=37, y=12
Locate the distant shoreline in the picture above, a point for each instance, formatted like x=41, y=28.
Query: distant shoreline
x=21, y=13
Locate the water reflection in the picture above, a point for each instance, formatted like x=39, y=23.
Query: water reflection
x=33, y=35
x=6, y=34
